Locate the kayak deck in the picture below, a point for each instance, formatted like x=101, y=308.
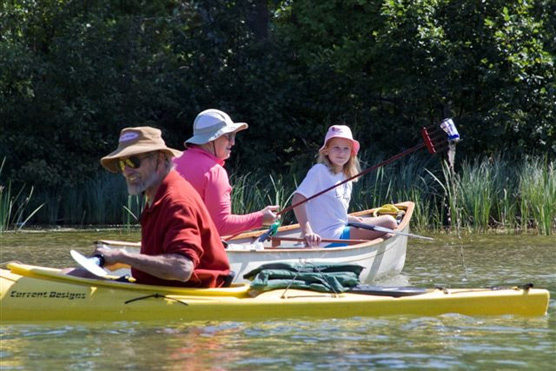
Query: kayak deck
x=29, y=294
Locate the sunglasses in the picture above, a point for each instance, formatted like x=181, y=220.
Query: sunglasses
x=133, y=162
x=230, y=136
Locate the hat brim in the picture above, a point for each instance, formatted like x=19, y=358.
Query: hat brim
x=205, y=138
x=354, y=149
x=110, y=161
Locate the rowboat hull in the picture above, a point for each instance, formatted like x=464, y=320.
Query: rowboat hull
x=36, y=294
x=381, y=257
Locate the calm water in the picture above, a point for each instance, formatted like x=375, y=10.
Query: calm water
x=411, y=343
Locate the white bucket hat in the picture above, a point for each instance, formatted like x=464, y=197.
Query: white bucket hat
x=211, y=124
x=341, y=131
x=134, y=141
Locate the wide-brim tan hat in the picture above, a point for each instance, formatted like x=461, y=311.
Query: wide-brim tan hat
x=212, y=124
x=134, y=141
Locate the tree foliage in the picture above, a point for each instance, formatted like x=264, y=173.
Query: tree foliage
x=73, y=73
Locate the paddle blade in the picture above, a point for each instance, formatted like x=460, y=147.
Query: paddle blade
x=90, y=264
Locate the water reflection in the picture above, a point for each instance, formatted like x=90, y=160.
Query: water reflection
x=450, y=341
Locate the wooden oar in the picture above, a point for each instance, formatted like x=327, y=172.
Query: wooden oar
x=386, y=230
x=276, y=240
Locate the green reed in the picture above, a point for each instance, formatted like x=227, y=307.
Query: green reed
x=476, y=193
x=442, y=210
x=99, y=201
x=406, y=180
x=505, y=209
x=246, y=194
x=132, y=211
x=251, y=193
x=494, y=193
x=479, y=196
x=107, y=199
x=14, y=207
x=537, y=191
x=497, y=193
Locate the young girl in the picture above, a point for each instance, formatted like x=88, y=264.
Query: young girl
x=325, y=216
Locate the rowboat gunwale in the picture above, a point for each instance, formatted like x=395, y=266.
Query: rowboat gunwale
x=252, y=236
x=406, y=206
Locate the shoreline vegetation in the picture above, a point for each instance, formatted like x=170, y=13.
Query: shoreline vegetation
x=489, y=195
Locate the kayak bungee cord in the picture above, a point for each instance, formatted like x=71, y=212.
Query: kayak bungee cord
x=156, y=296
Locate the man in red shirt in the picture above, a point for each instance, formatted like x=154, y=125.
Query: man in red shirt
x=180, y=245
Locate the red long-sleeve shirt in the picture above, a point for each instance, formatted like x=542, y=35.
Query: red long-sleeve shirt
x=178, y=222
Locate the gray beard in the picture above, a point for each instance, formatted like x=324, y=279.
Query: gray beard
x=137, y=189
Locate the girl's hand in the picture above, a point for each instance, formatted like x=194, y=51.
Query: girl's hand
x=312, y=239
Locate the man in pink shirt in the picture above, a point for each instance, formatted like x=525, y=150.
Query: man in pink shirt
x=202, y=164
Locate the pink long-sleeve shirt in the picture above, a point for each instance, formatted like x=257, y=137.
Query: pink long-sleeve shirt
x=207, y=175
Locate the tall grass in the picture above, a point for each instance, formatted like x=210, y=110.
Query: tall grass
x=477, y=192
x=497, y=193
x=251, y=193
x=444, y=211
x=14, y=207
x=132, y=211
x=505, y=209
x=481, y=195
x=102, y=201
x=537, y=190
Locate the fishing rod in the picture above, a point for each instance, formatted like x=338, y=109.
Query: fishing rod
x=436, y=138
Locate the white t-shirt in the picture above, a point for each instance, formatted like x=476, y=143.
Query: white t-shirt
x=327, y=213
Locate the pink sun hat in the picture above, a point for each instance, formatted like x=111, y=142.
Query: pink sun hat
x=341, y=131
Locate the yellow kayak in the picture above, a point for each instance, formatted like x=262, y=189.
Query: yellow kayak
x=31, y=293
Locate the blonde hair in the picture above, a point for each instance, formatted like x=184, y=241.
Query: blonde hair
x=351, y=168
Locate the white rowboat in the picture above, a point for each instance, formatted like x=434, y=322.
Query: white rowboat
x=381, y=257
